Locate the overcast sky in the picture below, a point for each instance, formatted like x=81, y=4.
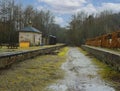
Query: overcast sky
x=63, y=9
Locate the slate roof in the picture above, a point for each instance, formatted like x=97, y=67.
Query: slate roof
x=30, y=29
x=52, y=36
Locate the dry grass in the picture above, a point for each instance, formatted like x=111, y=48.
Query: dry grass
x=5, y=49
x=83, y=51
x=34, y=74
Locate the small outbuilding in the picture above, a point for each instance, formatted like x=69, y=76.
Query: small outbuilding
x=52, y=40
x=49, y=40
x=30, y=36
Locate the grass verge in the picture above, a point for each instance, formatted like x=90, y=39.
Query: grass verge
x=5, y=49
x=34, y=74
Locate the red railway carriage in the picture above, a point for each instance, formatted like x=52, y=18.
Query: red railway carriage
x=116, y=39
x=107, y=40
x=98, y=41
x=111, y=40
x=103, y=41
x=93, y=42
x=89, y=42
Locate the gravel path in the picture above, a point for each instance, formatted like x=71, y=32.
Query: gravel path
x=80, y=75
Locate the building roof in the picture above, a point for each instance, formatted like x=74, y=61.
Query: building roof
x=52, y=36
x=30, y=29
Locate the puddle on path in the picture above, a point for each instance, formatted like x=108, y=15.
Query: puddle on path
x=80, y=75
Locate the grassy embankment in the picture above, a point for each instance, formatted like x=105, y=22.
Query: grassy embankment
x=107, y=73
x=34, y=74
x=5, y=48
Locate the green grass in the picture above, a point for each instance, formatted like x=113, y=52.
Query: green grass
x=63, y=53
x=34, y=74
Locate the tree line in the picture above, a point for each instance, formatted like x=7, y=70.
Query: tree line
x=83, y=26
x=14, y=17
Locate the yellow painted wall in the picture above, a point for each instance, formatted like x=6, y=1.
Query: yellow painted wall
x=24, y=44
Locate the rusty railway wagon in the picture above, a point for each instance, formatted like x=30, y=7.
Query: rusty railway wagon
x=111, y=40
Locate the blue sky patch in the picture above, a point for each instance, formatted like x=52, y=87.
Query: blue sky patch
x=63, y=9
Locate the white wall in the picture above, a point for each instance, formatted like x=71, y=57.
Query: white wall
x=33, y=38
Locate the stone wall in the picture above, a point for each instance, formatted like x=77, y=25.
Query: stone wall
x=109, y=57
x=9, y=58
